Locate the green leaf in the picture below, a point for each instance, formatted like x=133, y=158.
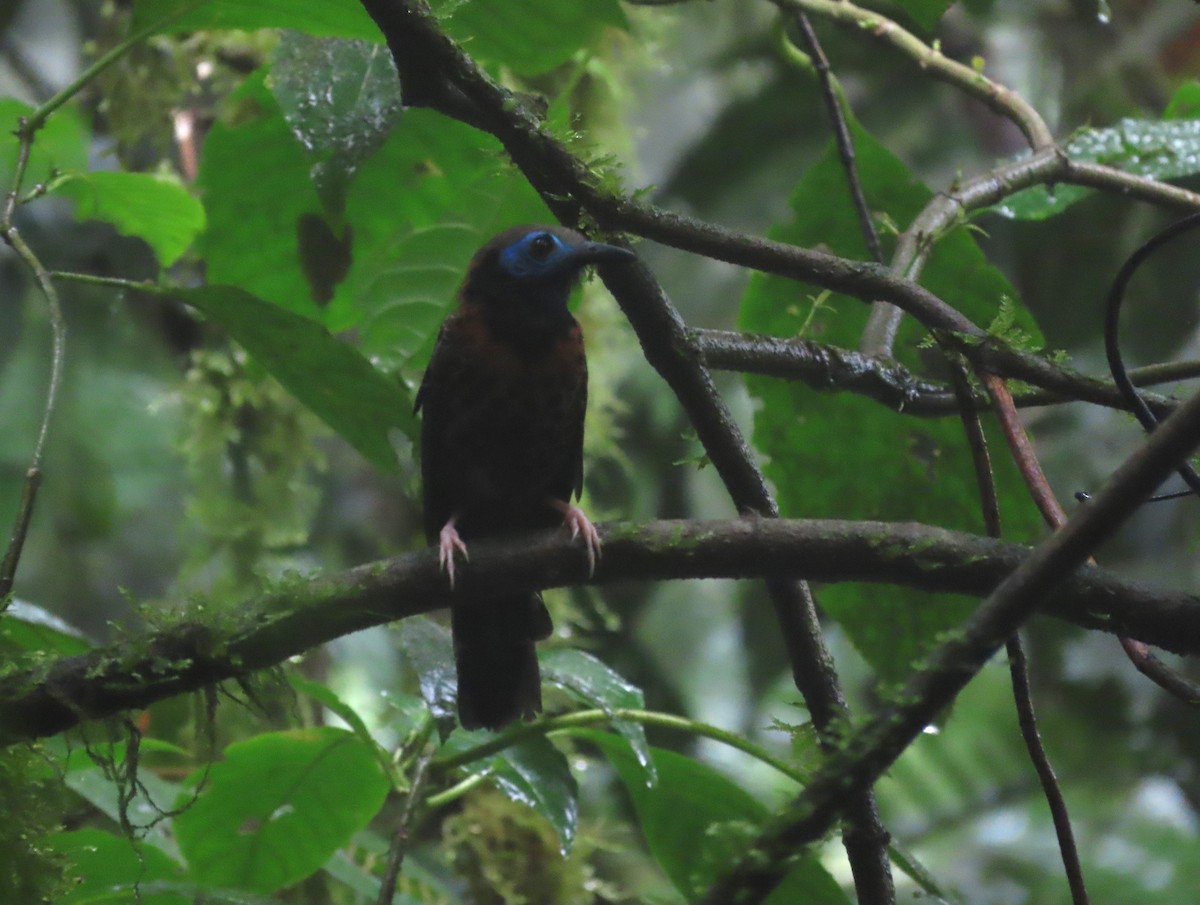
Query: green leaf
x=1149, y=148
x=1185, y=102
x=153, y=207
x=536, y=774
x=59, y=147
x=415, y=213
x=113, y=870
x=591, y=682
x=926, y=13
x=532, y=772
x=547, y=33
x=279, y=806
x=329, y=376
x=334, y=18
x=886, y=465
x=429, y=651
x=325, y=696
x=340, y=98
x=257, y=190
x=421, y=205
x=697, y=822
x=26, y=627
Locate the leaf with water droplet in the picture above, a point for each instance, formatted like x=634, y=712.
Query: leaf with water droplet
x=340, y=98
x=593, y=683
x=1167, y=149
x=532, y=772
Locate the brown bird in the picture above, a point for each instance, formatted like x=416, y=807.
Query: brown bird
x=503, y=403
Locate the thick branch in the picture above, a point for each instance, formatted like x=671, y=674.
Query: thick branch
x=135, y=672
x=834, y=369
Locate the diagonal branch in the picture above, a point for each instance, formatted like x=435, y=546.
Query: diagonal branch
x=873, y=748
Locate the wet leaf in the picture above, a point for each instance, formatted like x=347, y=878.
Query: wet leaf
x=594, y=684
x=341, y=99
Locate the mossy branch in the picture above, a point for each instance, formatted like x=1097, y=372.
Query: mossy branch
x=203, y=648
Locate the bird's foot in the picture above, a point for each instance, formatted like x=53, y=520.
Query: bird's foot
x=581, y=526
x=448, y=544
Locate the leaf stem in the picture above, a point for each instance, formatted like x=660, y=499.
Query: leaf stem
x=565, y=723
x=38, y=118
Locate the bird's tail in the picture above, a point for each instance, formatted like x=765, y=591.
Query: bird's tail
x=494, y=653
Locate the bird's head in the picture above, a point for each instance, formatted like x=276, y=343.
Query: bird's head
x=533, y=267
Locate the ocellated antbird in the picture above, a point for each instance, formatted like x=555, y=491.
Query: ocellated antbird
x=503, y=402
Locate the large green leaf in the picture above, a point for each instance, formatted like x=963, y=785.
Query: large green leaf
x=278, y=806
x=59, y=147
x=536, y=36
x=432, y=172
x=340, y=98
x=536, y=774
x=414, y=214
x=435, y=192
x=329, y=376
x=697, y=822
x=1155, y=149
x=113, y=870
x=334, y=18
x=257, y=190
x=847, y=457
x=153, y=207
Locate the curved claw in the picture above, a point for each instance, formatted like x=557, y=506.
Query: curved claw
x=448, y=543
x=580, y=525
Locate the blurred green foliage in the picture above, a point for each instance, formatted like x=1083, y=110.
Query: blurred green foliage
x=255, y=421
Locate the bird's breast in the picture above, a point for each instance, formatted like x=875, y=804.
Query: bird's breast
x=510, y=423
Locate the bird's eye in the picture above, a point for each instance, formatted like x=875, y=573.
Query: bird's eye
x=540, y=246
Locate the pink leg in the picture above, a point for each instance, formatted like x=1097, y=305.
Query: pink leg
x=575, y=519
x=448, y=543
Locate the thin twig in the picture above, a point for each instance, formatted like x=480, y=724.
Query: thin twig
x=1018, y=670
x=1112, y=335
x=27, y=131
x=864, y=836
x=833, y=97
x=1017, y=665
x=1023, y=452
x=58, y=330
x=400, y=833
x=932, y=61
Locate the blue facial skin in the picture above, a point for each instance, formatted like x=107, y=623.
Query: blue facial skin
x=535, y=256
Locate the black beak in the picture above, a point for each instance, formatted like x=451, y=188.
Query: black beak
x=599, y=253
